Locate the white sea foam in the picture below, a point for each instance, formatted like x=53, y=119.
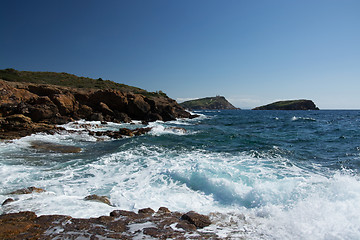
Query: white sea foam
x=250, y=195
x=294, y=118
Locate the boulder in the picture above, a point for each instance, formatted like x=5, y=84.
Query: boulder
x=7, y=201
x=197, y=219
x=28, y=190
x=66, y=103
x=102, y=199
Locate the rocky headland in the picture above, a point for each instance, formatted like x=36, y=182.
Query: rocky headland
x=290, y=105
x=29, y=105
x=209, y=103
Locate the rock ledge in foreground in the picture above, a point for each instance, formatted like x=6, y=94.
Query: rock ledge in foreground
x=119, y=225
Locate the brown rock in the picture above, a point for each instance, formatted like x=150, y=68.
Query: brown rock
x=7, y=201
x=141, y=131
x=126, y=132
x=186, y=226
x=118, y=213
x=42, y=108
x=146, y=211
x=66, y=103
x=163, y=210
x=96, y=117
x=28, y=190
x=14, y=224
x=97, y=198
x=18, y=118
x=151, y=231
x=197, y=219
x=105, y=109
x=138, y=108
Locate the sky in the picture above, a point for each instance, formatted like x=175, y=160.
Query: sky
x=253, y=52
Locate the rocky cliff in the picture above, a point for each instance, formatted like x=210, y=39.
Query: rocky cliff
x=290, y=105
x=218, y=102
x=26, y=108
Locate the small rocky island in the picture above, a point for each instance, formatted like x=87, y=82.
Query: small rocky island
x=208, y=103
x=33, y=102
x=290, y=105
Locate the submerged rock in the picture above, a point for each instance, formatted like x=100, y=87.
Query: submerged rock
x=119, y=225
x=53, y=147
x=7, y=201
x=97, y=198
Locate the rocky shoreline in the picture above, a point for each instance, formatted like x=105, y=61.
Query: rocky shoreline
x=120, y=224
x=28, y=108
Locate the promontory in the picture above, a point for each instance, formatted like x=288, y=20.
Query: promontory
x=208, y=103
x=301, y=104
x=33, y=102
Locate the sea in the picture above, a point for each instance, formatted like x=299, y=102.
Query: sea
x=257, y=174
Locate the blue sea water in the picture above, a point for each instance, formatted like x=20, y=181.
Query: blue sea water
x=259, y=174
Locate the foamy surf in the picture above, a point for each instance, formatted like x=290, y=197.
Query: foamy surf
x=253, y=185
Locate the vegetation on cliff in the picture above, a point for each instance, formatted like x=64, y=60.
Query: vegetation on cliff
x=70, y=80
x=218, y=102
x=301, y=104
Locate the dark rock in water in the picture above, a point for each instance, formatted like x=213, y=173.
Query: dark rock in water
x=7, y=201
x=129, y=214
x=96, y=117
x=146, y=211
x=97, y=198
x=197, y=219
x=163, y=210
x=53, y=147
x=186, y=225
x=26, y=225
x=210, y=103
x=121, y=132
x=290, y=105
x=28, y=190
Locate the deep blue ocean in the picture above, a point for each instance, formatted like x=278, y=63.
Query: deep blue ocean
x=259, y=174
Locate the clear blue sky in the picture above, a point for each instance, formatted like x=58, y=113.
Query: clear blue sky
x=252, y=52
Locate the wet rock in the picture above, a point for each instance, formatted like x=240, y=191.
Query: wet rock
x=97, y=198
x=177, y=129
x=163, y=210
x=28, y=190
x=119, y=213
x=96, y=117
x=146, y=211
x=53, y=147
x=7, y=201
x=126, y=132
x=197, y=219
x=186, y=226
x=141, y=131
x=152, y=231
x=13, y=225
x=26, y=225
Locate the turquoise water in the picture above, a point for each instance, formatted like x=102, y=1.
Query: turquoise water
x=259, y=174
